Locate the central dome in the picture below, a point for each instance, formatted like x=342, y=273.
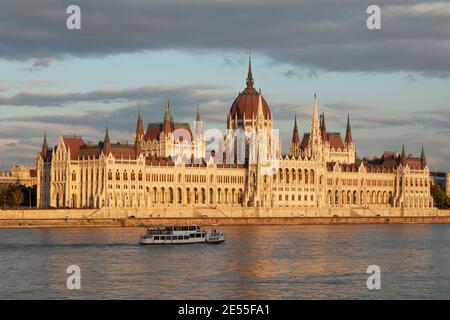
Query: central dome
x=246, y=103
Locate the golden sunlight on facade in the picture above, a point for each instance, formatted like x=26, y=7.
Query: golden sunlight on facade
x=170, y=166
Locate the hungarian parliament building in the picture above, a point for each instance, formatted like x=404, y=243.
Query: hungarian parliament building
x=171, y=165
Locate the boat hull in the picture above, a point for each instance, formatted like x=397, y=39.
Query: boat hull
x=180, y=235
x=147, y=241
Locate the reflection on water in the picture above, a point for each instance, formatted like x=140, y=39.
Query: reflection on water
x=256, y=262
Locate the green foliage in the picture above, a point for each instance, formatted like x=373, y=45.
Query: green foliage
x=17, y=196
x=441, y=200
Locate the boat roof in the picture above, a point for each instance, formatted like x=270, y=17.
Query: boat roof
x=172, y=225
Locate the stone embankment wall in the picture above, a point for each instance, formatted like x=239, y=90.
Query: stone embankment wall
x=208, y=216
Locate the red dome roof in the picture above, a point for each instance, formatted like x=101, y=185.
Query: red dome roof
x=246, y=103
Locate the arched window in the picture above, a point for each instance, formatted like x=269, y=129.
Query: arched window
x=211, y=196
x=117, y=175
x=170, y=195
x=109, y=175
x=74, y=176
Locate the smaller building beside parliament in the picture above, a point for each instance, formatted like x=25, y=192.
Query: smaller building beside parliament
x=170, y=166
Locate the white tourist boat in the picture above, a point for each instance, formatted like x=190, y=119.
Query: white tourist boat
x=181, y=235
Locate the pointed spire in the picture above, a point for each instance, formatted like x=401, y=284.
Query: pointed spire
x=295, y=137
x=316, y=109
x=250, y=74
x=166, y=110
x=171, y=116
x=139, y=126
x=315, y=119
x=198, y=128
x=44, y=146
x=167, y=123
x=403, y=155
x=107, y=135
x=423, y=159
x=260, y=106
x=323, y=128
x=106, y=143
x=198, y=113
x=348, y=133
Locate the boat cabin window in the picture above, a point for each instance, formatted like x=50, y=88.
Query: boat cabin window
x=156, y=238
x=180, y=237
x=193, y=228
x=186, y=237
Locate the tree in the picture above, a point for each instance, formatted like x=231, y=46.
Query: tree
x=16, y=197
x=3, y=197
x=441, y=200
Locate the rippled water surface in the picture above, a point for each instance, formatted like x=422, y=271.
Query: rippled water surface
x=256, y=262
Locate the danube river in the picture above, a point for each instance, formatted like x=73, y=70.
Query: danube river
x=256, y=262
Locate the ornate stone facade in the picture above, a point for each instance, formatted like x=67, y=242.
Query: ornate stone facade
x=18, y=175
x=161, y=169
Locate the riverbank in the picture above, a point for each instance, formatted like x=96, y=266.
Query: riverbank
x=217, y=216
x=139, y=222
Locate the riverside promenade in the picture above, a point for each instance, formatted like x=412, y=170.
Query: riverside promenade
x=208, y=216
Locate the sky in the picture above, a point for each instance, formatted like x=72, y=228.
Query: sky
x=394, y=82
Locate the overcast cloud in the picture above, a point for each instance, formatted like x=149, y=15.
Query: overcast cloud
x=308, y=36
x=328, y=34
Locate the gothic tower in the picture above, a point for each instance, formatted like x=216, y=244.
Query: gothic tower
x=315, y=136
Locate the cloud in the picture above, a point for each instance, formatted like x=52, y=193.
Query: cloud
x=319, y=35
x=4, y=86
x=26, y=130
x=158, y=94
x=41, y=83
x=421, y=9
x=40, y=64
x=302, y=72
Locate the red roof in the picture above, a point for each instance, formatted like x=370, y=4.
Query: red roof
x=123, y=151
x=246, y=104
x=154, y=130
x=159, y=161
x=90, y=151
x=74, y=145
x=334, y=138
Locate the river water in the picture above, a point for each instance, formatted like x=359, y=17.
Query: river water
x=256, y=262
